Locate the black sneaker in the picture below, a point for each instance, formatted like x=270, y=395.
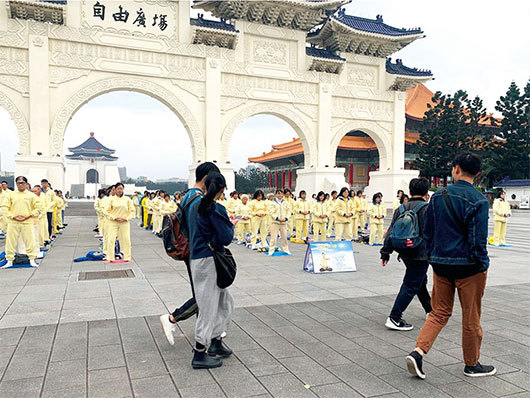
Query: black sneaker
x=201, y=360
x=479, y=370
x=415, y=364
x=217, y=348
x=400, y=324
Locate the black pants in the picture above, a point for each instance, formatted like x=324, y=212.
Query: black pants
x=49, y=216
x=142, y=216
x=414, y=283
x=189, y=308
x=149, y=219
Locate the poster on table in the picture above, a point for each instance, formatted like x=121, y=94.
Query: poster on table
x=329, y=257
x=525, y=202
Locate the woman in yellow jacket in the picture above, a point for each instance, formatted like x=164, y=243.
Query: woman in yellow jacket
x=279, y=211
x=99, y=212
x=397, y=200
x=319, y=216
x=332, y=204
x=168, y=206
x=144, y=209
x=302, y=210
x=258, y=211
x=149, y=205
x=377, y=214
x=343, y=215
x=501, y=212
x=356, y=207
x=364, y=211
x=119, y=211
x=288, y=197
x=243, y=227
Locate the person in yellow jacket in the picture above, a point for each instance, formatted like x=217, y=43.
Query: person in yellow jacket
x=243, y=227
x=355, y=205
x=233, y=203
x=302, y=211
x=343, y=215
x=157, y=204
x=288, y=197
x=319, y=216
x=136, y=203
x=99, y=212
x=4, y=193
x=46, y=187
x=377, y=214
x=61, y=205
x=332, y=204
x=21, y=207
x=258, y=211
x=144, y=209
x=119, y=211
x=501, y=212
x=110, y=193
x=168, y=206
x=279, y=211
x=149, y=205
x=363, y=212
x=38, y=221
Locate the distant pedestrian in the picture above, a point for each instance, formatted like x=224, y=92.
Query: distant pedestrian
x=456, y=232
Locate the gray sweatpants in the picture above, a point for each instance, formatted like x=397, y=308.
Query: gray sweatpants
x=215, y=304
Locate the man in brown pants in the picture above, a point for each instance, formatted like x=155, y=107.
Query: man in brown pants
x=456, y=231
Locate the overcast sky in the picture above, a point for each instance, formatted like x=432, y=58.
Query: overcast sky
x=478, y=46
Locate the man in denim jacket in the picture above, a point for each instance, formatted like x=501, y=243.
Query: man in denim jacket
x=456, y=231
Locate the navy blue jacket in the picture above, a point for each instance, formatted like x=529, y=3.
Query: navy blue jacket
x=216, y=228
x=455, y=253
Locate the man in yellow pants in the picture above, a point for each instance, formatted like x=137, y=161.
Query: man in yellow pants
x=21, y=207
x=40, y=225
x=501, y=212
x=119, y=211
x=302, y=209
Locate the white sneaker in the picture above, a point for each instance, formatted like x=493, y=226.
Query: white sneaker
x=9, y=264
x=33, y=263
x=40, y=255
x=169, y=328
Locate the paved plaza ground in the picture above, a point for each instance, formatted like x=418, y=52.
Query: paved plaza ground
x=294, y=334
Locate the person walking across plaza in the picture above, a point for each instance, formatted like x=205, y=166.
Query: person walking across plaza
x=119, y=211
x=501, y=212
x=415, y=259
x=279, y=212
x=456, y=233
x=21, y=207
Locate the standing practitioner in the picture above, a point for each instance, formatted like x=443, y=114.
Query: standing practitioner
x=243, y=226
x=356, y=210
x=397, y=200
x=119, y=211
x=279, y=210
x=51, y=201
x=501, y=211
x=377, y=214
x=39, y=235
x=143, y=209
x=332, y=208
x=258, y=211
x=364, y=210
x=111, y=192
x=416, y=260
x=456, y=233
x=319, y=216
x=4, y=193
x=136, y=202
x=21, y=207
x=302, y=210
x=99, y=212
x=149, y=205
x=288, y=197
x=343, y=215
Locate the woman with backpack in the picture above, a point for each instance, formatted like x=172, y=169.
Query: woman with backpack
x=215, y=231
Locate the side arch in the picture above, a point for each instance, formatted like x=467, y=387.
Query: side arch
x=286, y=114
x=20, y=121
x=379, y=135
x=65, y=113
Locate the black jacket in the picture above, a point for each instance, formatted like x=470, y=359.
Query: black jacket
x=421, y=253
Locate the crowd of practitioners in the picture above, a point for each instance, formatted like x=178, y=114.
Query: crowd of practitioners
x=30, y=219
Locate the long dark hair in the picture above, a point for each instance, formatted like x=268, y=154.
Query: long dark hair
x=214, y=183
x=257, y=194
x=321, y=193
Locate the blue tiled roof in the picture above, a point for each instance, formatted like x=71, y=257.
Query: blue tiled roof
x=91, y=146
x=322, y=53
x=506, y=182
x=96, y=156
x=399, y=69
x=207, y=23
x=371, y=25
x=61, y=2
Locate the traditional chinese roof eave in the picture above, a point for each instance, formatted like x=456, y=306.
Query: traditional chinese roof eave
x=211, y=36
x=47, y=12
x=88, y=157
x=404, y=82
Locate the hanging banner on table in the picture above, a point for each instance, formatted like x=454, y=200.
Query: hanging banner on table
x=525, y=202
x=329, y=256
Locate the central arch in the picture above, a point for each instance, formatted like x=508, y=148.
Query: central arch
x=63, y=116
x=289, y=116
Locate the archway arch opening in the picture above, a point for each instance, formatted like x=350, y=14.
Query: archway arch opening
x=125, y=136
x=9, y=147
x=266, y=150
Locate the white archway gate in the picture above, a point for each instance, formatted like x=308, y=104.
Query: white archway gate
x=55, y=58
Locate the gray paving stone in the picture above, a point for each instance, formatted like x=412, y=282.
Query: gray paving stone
x=372, y=362
x=361, y=380
x=237, y=381
x=136, y=336
x=260, y=362
x=463, y=389
x=309, y=371
x=106, y=356
x=37, y=339
x=520, y=379
x=186, y=377
x=337, y=390
x=202, y=391
x=26, y=366
x=412, y=386
x=285, y=385
x=10, y=336
x=66, y=374
x=278, y=347
x=145, y=364
x=23, y=388
x=109, y=383
x=103, y=333
x=73, y=392
x=158, y=386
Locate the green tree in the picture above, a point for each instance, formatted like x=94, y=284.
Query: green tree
x=251, y=181
x=512, y=155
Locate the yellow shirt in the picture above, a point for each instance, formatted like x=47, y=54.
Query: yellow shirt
x=168, y=207
x=119, y=208
x=500, y=208
x=258, y=207
x=377, y=210
x=319, y=209
x=42, y=205
x=279, y=210
x=243, y=211
x=342, y=207
x=24, y=203
x=231, y=207
x=300, y=206
x=51, y=200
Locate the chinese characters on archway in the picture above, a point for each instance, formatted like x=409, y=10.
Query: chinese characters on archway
x=122, y=15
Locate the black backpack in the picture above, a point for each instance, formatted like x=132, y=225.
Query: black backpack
x=405, y=233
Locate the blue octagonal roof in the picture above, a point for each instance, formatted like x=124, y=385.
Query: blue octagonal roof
x=399, y=69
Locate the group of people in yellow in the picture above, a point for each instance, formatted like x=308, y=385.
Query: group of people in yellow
x=152, y=207
x=30, y=219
